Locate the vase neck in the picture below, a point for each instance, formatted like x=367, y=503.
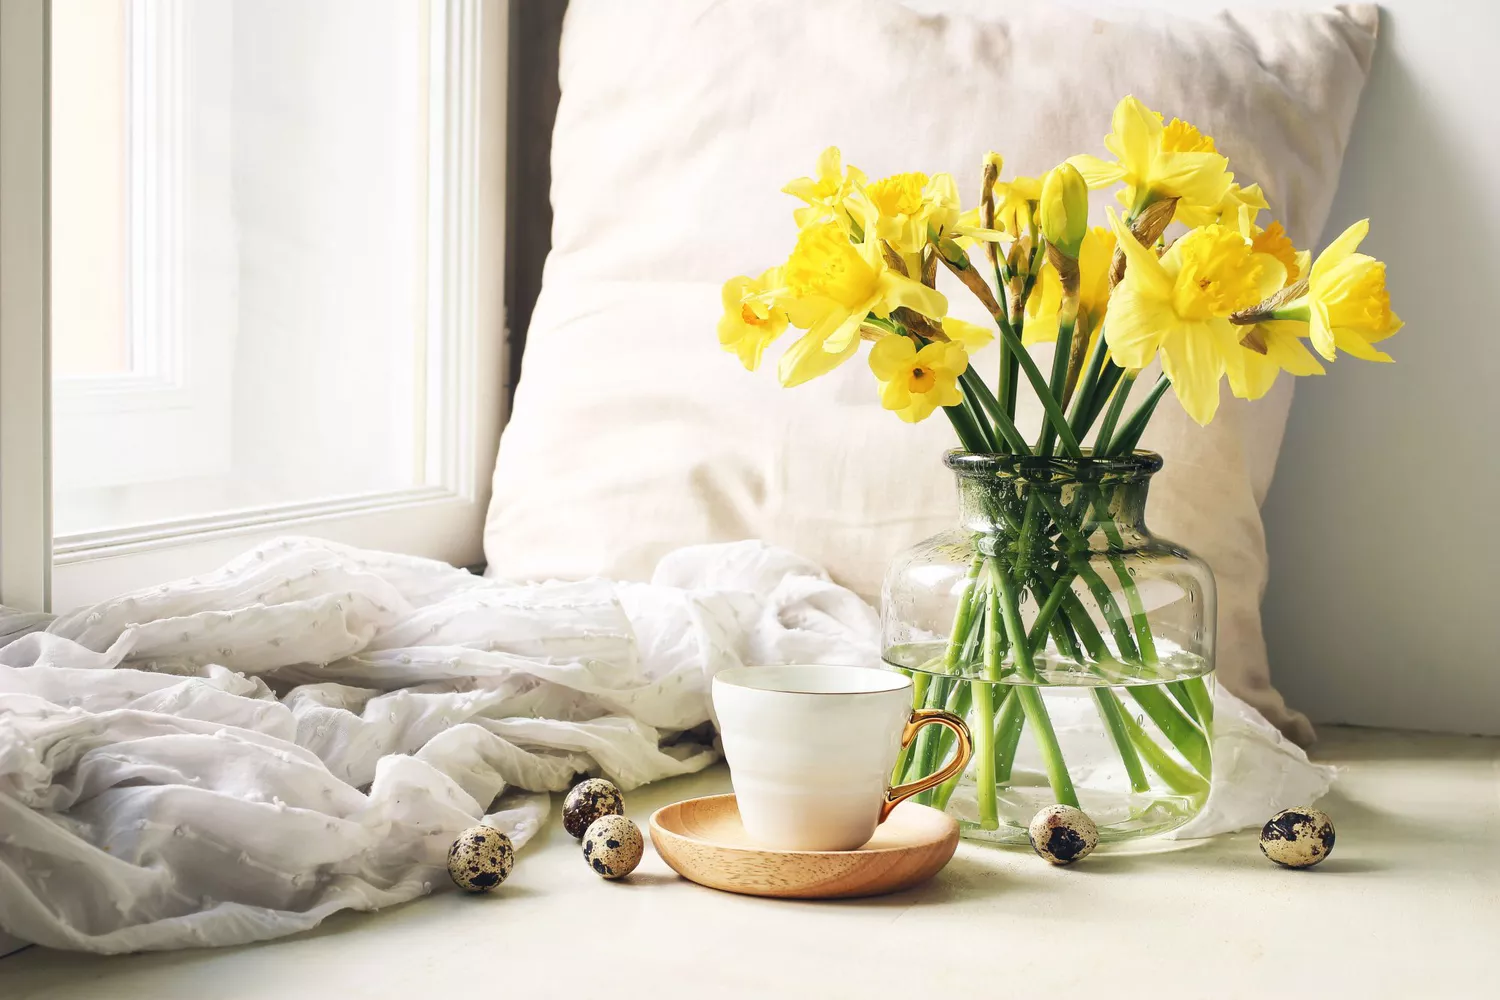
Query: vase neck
x=996, y=492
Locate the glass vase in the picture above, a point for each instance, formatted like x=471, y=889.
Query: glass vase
x=1079, y=646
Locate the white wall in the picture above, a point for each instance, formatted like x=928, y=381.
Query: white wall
x=1382, y=607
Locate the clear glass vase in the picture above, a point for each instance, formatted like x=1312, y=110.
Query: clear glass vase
x=1079, y=647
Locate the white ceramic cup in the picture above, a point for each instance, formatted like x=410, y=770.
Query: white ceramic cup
x=811, y=749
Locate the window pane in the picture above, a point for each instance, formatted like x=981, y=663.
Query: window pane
x=240, y=202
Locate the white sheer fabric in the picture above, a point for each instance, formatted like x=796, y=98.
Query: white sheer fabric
x=234, y=757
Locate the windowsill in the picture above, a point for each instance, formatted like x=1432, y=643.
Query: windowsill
x=1393, y=912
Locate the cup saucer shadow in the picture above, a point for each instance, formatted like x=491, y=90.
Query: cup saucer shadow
x=954, y=880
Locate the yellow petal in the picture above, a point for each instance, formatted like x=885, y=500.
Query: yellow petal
x=1041, y=308
x=896, y=291
x=921, y=407
x=846, y=332
x=895, y=394
x=1283, y=340
x=1134, y=131
x=1251, y=375
x=1348, y=242
x=806, y=359
x=1141, y=264
x=1353, y=344
x=1320, y=330
x=972, y=336
x=1200, y=179
x=892, y=356
x=1192, y=357
x=1097, y=173
x=1136, y=325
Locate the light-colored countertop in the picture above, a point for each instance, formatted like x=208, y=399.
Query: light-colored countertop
x=1408, y=906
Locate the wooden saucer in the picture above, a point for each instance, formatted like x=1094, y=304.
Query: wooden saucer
x=703, y=840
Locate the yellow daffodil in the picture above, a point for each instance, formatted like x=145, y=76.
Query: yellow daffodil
x=1179, y=306
x=1157, y=161
x=825, y=193
x=1063, y=211
x=914, y=383
x=968, y=230
x=1095, y=255
x=830, y=285
x=1270, y=347
x=1015, y=204
x=1273, y=240
x=971, y=336
x=752, y=319
x=1266, y=350
x=1238, y=209
x=913, y=205
x=1346, y=305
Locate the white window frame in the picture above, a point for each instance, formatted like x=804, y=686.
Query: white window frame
x=178, y=399
x=465, y=337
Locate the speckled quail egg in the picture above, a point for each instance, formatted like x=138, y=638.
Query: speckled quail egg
x=1299, y=837
x=1062, y=834
x=612, y=845
x=588, y=800
x=480, y=859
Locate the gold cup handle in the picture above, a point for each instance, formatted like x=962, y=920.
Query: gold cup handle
x=922, y=717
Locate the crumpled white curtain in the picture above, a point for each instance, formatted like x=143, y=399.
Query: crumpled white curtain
x=234, y=757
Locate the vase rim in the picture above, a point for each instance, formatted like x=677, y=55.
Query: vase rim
x=1139, y=464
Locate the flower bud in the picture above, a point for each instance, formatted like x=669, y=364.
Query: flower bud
x=1064, y=208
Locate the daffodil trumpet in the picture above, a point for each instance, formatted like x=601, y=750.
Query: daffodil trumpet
x=1217, y=297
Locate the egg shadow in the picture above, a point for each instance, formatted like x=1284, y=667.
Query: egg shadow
x=648, y=878
x=1348, y=866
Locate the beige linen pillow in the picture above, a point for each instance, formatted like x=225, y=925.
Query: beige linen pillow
x=633, y=434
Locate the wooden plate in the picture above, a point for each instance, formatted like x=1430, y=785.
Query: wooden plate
x=703, y=840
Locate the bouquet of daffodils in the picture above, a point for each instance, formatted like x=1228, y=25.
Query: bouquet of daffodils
x=1184, y=274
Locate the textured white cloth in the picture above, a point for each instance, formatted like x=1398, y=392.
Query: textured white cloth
x=234, y=757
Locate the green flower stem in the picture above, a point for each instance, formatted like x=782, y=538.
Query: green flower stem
x=924, y=750
x=1174, y=725
x=1005, y=382
x=1203, y=701
x=969, y=434
x=1109, y=377
x=984, y=755
x=1049, y=608
x=975, y=391
x=1112, y=415
x=944, y=792
x=1113, y=616
x=1192, y=694
x=1115, y=719
x=1177, y=778
x=938, y=749
x=1066, y=328
x=910, y=763
x=984, y=714
x=1130, y=434
x=1039, y=385
x=1110, y=711
x=979, y=430
x=1030, y=696
x=963, y=615
x=1080, y=419
x=921, y=680
x=1008, y=735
